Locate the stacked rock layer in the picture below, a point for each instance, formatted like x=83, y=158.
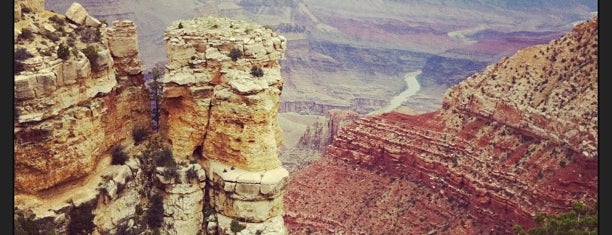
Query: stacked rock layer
x=69, y=112
x=517, y=139
x=220, y=102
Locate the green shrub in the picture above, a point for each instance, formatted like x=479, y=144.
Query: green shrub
x=91, y=52
x=235, y=54
x=22, y=54
x=170, y=172
x=26, y=34
x=257, y=71
x=164, y=158
x=236, y=226
x=119, y=156
x=139, y=134
x=25, y=9
x=192, y=174
x=580, y=220
x=180, y=25
x=81, y=220
x=63, y=52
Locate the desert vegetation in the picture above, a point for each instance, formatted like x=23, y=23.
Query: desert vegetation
x=582, y=219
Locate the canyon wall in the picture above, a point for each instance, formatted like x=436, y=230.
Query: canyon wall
x=517, y=139
x=69, y=112
x=79, y=94
x=80, y=99
x=219, y=107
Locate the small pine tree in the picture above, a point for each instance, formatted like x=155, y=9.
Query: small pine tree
x=180, y=26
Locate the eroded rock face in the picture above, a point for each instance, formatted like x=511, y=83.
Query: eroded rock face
x=68, y=114
x=123, y=45
x=220, y=103
x=253, y=196
x=210, y=100
x=519, y=138
x=183, y=200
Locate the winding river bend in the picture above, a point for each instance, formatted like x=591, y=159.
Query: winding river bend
x=413, y=88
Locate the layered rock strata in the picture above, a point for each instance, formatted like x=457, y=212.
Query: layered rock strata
x=514, y=140
x=183, y=200
x=220, y=104
x=69, y=112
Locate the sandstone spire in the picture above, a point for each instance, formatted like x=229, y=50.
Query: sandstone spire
x=220, y=102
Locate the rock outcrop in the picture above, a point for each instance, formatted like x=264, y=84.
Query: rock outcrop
x=80, y=97
x=183, y=200
x=214, y=109
x=70, y=110
x=514, y=140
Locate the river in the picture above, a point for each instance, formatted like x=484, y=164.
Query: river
x=413, y=87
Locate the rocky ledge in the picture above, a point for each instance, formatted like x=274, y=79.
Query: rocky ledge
x=220, y=102
x=71, y=106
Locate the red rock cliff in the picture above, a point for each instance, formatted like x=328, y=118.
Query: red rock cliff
x=516, y=139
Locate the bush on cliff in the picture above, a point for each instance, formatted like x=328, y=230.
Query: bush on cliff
x=21, y=54
x=164, y=158
x=139, y=134
x=63, y=52
x=580, y=220
x=236, y=226
x=91, y=52
x=26, y=34
x=235, y=54
x=81, y=220
x=119, y=156
x=257, y=71
x=25, y=9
